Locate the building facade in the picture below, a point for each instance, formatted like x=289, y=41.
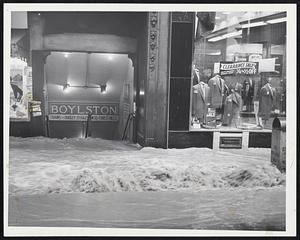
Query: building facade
x=142, y=75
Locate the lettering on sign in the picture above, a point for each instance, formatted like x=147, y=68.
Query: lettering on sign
x=255, y=58
x=80, y=111
x=238, y=68
x=240, y=58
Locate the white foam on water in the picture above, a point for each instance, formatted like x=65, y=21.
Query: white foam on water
x=42, y=165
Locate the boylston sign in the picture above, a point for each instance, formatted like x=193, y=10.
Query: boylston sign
x=80, y=111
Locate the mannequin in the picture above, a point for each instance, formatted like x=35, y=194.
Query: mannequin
x=238, y=88
x=232, y=108
x=217, y=90
x=196, y=76
x=248, y=93
x=217, y=94
x=283, y=96
x=200, y=101
x=266, y=102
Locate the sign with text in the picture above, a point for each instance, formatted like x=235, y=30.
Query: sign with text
x=238, y=68
x=80, y=111
x=254, y=57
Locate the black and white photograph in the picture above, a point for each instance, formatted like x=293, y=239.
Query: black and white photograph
x=149, y=119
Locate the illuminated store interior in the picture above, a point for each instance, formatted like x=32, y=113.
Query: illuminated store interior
x=240, y=65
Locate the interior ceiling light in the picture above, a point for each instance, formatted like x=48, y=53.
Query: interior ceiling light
x=254, y=24
x=110, y=57
x=103, y=88
x=227, y=35
x=277, y=20
x=65, y=87
x=214, y=53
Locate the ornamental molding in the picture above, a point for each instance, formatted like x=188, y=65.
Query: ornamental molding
x=153, y=40
x=153, y=18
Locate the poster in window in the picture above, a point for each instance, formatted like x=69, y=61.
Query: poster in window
x=18, y=91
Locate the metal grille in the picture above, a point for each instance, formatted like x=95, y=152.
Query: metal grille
x=230, y=142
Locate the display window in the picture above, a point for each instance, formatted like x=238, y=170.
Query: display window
x=239, y=70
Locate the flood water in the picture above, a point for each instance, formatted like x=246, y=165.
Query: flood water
x=101, y=183
x=259, y=209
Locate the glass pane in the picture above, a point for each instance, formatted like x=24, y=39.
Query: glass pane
x=239, y=70
x=181, y=50
x=179, y=103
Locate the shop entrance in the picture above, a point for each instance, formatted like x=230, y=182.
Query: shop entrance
x=89, y=94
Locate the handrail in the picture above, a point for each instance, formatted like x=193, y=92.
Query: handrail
x=129, y=118
x=88, y=120
x=47, y=126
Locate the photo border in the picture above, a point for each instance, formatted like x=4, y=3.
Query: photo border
x=291, y=118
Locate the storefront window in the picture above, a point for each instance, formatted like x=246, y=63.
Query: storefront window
x=239, y=70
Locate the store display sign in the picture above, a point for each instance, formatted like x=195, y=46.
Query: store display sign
x=255, y=58
x=267, y=65
x=238, y=68
x=238, y=57
x=211, y=112
x=35, y=108
x=80, y=111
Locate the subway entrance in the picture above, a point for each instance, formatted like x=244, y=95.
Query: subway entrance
x=89, y=94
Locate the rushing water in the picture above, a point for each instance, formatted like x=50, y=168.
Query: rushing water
x=100, y=183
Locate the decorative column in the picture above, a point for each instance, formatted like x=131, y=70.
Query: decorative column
x=157, y=79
